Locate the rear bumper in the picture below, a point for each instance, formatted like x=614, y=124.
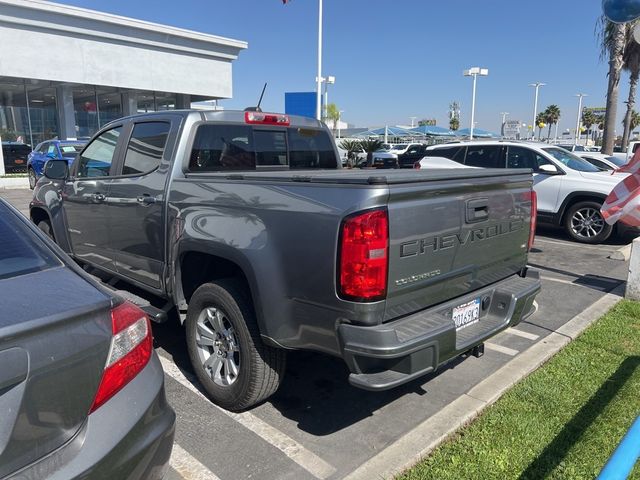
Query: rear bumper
x=399, y=351
x=130, y=436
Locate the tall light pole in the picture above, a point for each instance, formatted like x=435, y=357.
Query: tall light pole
x=413, y=119
x=340, y=112
x=580, y=97
x=319, y=77
x=474, y=72
x=328, y=80
x=537, y=86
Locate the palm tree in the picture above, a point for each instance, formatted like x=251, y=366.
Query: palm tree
x=454, y=123
x=371, y=146
x=352, y=147
x=551, y=117
x=333, y=116
x=632, y=65
x=540, y=123
x=612, y=41
x=589, y=119
x=634, y=121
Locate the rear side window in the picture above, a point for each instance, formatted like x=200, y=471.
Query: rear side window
x=520, y=157
x=484, y=156
x=21, y=252
x=145, y=148
x=452, y=153
x=241, y=147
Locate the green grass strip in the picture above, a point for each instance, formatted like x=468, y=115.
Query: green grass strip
x=561, y=422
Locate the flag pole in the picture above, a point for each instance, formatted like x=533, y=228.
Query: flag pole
x=319, y=77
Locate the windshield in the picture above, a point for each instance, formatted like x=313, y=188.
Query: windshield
x=571, y=161
x=617, y=161
x=399, y=147
x=70, y=150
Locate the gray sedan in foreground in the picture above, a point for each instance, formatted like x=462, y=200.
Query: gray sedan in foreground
x=81, y=388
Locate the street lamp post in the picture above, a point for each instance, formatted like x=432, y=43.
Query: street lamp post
x=329, y=80
x=580, y=97
x=319, y=77
x=537, y=85
x=340, y=112
x=474, y=72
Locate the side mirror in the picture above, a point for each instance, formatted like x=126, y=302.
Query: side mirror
x=56, y=170
x=549, y=169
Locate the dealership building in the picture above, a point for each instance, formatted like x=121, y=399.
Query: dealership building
x=66, y=71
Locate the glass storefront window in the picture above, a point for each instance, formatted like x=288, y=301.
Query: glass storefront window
x=165, y=101
x=109, y=107
x=146, y=102
x=42, y=109
x=14, y=117
x=86, y=111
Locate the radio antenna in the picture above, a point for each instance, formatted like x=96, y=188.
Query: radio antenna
x=257, y=107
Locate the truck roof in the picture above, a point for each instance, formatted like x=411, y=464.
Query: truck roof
x=231, y=116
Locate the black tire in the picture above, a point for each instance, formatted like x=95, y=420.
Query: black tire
x=584, y=223
x=32, y=178
x=45, y=227
x=261, y=367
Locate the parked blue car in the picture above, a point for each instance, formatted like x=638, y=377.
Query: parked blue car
x=58, y=149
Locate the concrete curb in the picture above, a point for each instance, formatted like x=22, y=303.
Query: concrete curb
x=13, y=182
x=623, y=253
x=420, y=441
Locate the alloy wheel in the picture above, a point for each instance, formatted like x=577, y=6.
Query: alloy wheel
x=218, y=347
x=587, y=222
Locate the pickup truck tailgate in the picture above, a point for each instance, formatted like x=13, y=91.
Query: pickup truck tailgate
x=449, y=238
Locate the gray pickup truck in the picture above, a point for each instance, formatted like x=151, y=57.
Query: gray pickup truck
x=248, y=225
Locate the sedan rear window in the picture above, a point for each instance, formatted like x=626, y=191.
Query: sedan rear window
x=21, y=252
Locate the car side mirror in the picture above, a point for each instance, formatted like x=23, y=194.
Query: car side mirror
x=549, y=169
x=56, y=170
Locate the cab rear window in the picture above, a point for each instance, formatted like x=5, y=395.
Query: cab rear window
x=240, y=147
x=21, y=252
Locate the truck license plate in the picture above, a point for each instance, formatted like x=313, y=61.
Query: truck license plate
x=467, y=314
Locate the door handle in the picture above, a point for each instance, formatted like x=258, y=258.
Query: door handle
x=146, y=199
x=477, y=210
x=98, y=197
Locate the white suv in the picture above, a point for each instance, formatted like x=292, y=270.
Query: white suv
x=570, y=190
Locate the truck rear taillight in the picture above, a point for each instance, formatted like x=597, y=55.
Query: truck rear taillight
x=534, y=219
x=417, y=166
x=363, y=256
x=130, y=351
x=260, y=118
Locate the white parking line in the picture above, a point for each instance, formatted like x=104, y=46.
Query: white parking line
x=188, y=467
x=292, y=449
x=520, y=333
x=573, y=244
x=499, y=348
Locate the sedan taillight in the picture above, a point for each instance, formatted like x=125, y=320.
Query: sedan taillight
x=130, y=351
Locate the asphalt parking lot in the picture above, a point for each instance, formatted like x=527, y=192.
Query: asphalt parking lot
x=317, y=425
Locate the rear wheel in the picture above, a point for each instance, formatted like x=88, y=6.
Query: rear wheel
x=584, y=223
x=229, y=358
x=45, y=227
x=32, y=179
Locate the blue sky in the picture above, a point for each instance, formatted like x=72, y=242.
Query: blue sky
x=396, y=59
